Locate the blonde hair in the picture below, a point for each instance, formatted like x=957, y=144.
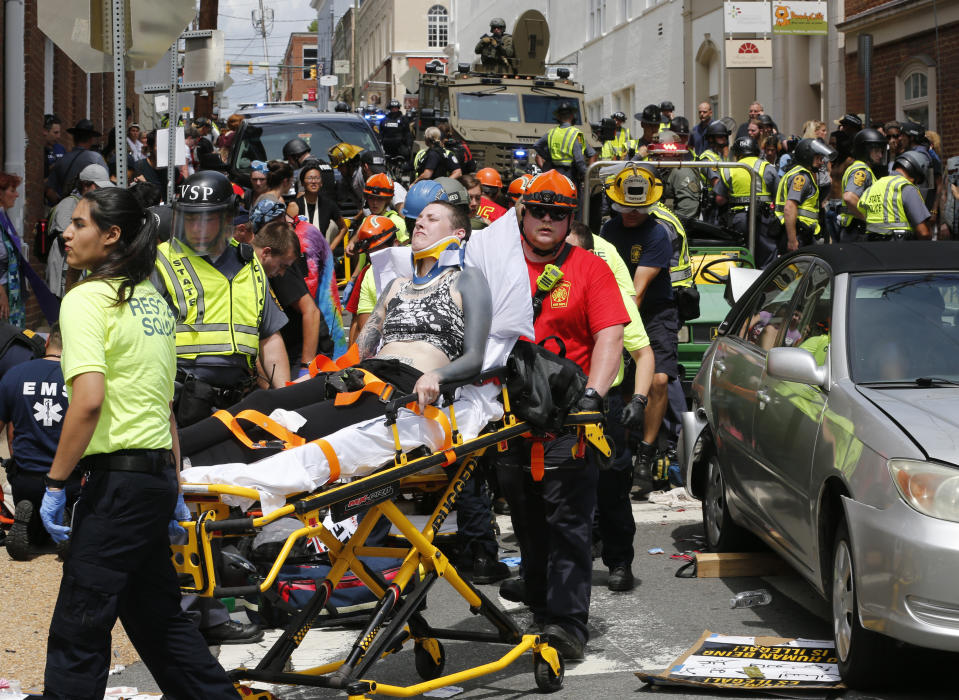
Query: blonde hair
x=433, y=135
x=234, y=121
x=935, y=142
x=810, y=128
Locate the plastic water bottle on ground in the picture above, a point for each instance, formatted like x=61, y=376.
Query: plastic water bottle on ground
x=750, y=599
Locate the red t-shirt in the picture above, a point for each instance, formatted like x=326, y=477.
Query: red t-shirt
x=584, y=302
x=490, y=210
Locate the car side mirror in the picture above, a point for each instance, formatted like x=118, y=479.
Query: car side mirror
x=795, y=365
x=740, y=279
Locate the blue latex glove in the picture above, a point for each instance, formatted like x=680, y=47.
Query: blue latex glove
x=180, y=512
x=345, y=294
x=304, y=371
x=51, y=513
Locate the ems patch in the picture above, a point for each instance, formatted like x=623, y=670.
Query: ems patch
x=799, y=182
x=859, y=178
x=635, y=253
x=559, y=297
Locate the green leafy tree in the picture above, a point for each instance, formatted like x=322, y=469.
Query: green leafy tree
x=312, y=27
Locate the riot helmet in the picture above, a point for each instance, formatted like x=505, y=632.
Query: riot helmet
x=341, y=107
x=667, y=106
x=807, y=149
x=203, y=213
x=393, y=104
x=680, y=125
x=716, y=130
x=745, y=146
x=914, y=163
x=294, y=148
x=620, y=116
x=865, y=142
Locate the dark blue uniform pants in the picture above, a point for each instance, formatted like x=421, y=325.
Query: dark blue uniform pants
x=553, y=521
x=118, y=565
x=474, y=514
x=614, y=510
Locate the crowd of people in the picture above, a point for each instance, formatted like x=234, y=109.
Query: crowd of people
x=226, y=294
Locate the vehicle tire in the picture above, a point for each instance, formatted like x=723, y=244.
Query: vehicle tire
x=546, y=680
x=865, y=658
x=722, y=534
x=428, y=668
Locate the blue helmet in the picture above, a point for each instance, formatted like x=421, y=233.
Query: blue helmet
x=421, y=194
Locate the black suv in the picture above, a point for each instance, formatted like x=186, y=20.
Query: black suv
x=263, y=138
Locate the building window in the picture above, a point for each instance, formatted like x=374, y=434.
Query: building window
x=437, y=27
x=597, y=18
x=916, y=92
x=309, y=60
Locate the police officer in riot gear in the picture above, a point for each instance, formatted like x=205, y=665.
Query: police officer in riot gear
x=296, y=151
x=496, y=48
x=618, y=146
x=870, y=150
x=395, y=134
x=797, y=196
x=716, y=139
x=893, y=205
x=226, y=317
x=732, y=193
x=666, y=109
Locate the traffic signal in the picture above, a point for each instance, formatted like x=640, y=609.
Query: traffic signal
x=227, y=67
x=312, y=72
x=250, y=68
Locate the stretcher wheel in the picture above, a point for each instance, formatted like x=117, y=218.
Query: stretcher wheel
x=546, y=680
x=428, y=667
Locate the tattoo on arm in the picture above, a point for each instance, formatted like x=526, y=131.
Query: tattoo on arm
x=368, y=341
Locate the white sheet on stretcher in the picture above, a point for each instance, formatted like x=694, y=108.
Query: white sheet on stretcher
x=360, y=448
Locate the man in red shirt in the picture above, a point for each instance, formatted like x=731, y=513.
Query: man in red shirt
x=552, y=518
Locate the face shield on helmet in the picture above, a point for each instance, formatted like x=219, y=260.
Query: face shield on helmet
x=634, y=188
x=203, y=213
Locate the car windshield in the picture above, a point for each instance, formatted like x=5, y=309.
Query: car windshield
x=540, y=109
x=904, y=326
x=488, y=107
x=265, y=141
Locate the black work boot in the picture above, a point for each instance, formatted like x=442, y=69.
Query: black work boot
x=487, y=569
x=18, y=541
x=620, y=579
x=513, y=589
x=643, y=462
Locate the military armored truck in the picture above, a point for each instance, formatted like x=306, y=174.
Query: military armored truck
x=501, y=116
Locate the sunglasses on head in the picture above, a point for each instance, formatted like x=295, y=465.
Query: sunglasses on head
x=539, y=211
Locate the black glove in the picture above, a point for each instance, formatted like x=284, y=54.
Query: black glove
x=591, y=401
x=634, y=412
x=345, y=381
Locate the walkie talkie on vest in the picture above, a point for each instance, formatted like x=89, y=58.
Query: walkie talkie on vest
x=551, y=276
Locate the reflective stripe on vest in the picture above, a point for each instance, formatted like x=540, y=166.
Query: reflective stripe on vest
x=215, y=316
x=808, y=209
x=738, y=181
x=680, y=267
x=883, y=206
x=845, y=218
x=560, y=140
x=708, y=154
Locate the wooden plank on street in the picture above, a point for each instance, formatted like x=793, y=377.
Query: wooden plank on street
x=728, y=564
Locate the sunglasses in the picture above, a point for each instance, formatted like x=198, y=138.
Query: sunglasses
x=538, y=211
x=889, y=137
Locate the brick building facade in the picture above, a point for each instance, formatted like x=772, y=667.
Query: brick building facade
x=71, y=90
x=915, y=46
x=300, y=56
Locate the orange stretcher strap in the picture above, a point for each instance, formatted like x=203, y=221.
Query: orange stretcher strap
x=321, y=363
x=232, y=422
x=536, y=462
x=433, y=413
x=371, y=385
x=331, y=457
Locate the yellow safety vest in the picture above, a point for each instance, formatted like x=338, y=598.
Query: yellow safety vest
x=845, y=218
x=808, y=210
x=708, y=154
x=560, y=140
x=215, y=316
x=680, y=268
x=420, y=155
x=737, y=182
x=882, y=204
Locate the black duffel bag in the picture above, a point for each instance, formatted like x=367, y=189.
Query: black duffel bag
x=543, y=386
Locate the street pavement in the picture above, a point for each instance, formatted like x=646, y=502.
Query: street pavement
x=645, y=629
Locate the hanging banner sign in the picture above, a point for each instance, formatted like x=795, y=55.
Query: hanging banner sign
x=794, y=17
x=747, y=17
x=749, y=53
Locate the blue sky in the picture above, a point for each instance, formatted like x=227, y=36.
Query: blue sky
x=243, y=44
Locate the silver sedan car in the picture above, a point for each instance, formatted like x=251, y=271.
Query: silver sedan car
x=825, y=421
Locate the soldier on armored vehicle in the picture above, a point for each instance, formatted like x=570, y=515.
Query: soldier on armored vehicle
x=496, y=48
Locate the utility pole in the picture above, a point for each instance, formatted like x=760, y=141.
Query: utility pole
x=356, y=9
x=209, y=10
x=261, y=25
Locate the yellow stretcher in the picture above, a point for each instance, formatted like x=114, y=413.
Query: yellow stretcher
x=396, y=618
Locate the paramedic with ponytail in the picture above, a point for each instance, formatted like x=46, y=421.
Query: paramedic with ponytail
x=119, y=360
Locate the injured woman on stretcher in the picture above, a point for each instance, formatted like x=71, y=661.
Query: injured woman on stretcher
x=436, y=321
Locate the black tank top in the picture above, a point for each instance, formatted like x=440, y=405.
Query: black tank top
x=429, y=315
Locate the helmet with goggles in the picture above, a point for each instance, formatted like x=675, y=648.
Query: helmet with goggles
x=634, y=187
x=203, y=213
x=375, y=232
x=379, y=185
x=518, y=186
x=551, y=189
